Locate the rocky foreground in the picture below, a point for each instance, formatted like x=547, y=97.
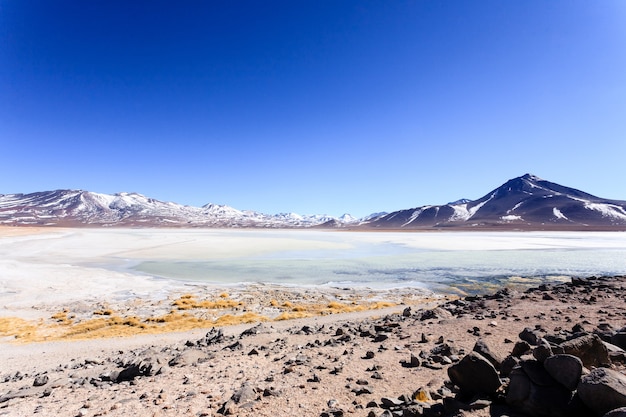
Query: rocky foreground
x=548, y=351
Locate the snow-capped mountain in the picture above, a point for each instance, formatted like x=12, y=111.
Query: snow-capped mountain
x=522, y=202
x=84, y=208
x=525, y=202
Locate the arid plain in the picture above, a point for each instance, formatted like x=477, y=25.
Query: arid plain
x=70, y=325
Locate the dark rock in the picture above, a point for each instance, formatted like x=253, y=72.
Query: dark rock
x=135, y=369
x=519, y=387
x=214, y=336
x=332, y=412
x=444, y=349
x=252, y=330
x=619, y=339
x=508, y=364
x=542, y=351
x=618, y=412
x=532, y=337
x=40, y=381
x=305, y=330
x=380, y=337
x=603, y=390
x=413, y=362
x=537, y=374
x=361, y=390
x=520, y=348
x=565, y=369
x=475, y=375
x=481, y=348
x=453, y=406
x=390, y=402
x=589, y=348
x=271, y=392
x=541, y=401
x=235, y=346
x=436, y=313
x=406, y=312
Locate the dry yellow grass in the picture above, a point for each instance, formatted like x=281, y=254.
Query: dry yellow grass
x=107, y=323
x=61, y=317
x=229, y=319
x=189, y=302
x=16, y=327
x=293, y=315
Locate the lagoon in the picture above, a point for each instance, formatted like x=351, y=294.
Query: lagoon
x=448, y=262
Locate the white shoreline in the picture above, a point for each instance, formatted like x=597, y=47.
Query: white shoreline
x=42, y=269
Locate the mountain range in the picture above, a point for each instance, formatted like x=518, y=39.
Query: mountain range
x=526, y=202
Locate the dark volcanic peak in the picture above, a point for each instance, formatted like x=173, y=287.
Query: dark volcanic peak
x=523, y=202
x=526, y=202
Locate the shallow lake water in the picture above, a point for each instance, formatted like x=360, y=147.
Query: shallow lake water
x=463, y=262
x=456, y=262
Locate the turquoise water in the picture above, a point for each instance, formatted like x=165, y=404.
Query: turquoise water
x=400, y=263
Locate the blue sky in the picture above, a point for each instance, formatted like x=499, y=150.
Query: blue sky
x=311, y=106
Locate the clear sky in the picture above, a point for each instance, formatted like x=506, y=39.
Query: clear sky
x=312, y=106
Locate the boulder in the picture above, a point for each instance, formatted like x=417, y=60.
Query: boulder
x=508, y=364
x=481, y=348
x=603, y=390
x=589, y=348
x=519, y=387
x=537, y=374
x=542, y=351
x=520, y=349
x=541, y=401
x=475, y=375
x=565, y=369
x=619, y=339
x=532, y=337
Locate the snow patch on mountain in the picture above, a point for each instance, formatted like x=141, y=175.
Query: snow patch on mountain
x=608, y=210
x=511, y=218
x=416, y=215
x=557, y=213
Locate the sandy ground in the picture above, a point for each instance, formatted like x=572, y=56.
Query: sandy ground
x=340, y=364
x=64, y=339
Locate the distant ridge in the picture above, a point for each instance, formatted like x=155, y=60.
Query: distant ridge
x=74, y=208
x=527, y=202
